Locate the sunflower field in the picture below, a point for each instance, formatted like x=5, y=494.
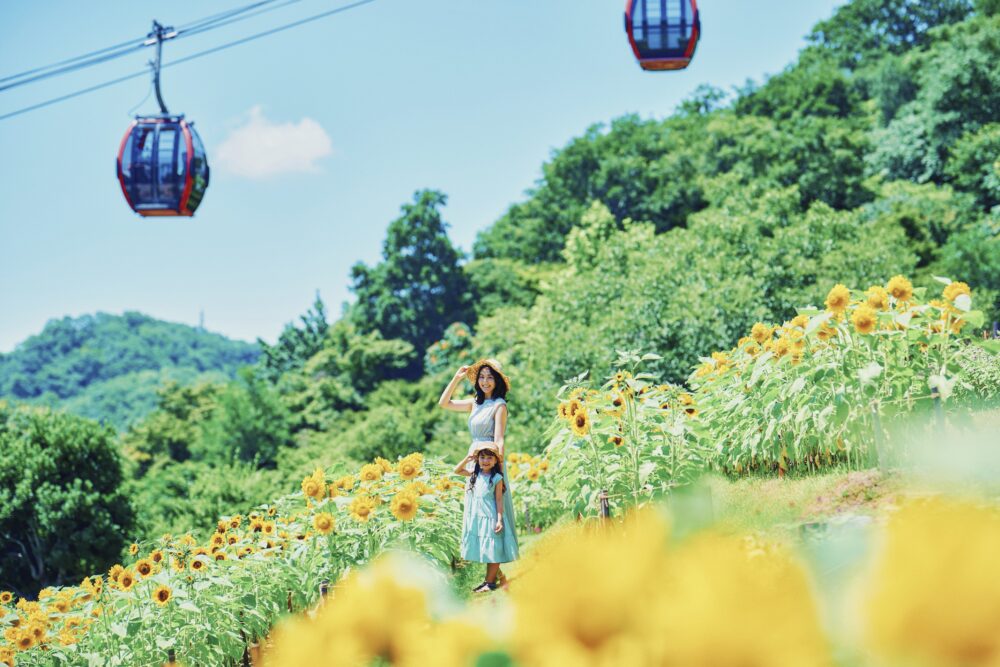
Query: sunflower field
x=822, y=389
x=206, y=600
x=828, y=384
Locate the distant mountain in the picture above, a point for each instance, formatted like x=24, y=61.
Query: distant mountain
x=108, y=367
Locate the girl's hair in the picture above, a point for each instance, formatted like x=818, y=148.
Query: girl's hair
x=499, y=387
x=497, y=470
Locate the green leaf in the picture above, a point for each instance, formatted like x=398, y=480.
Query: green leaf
x=974, y=317
x=817, y=321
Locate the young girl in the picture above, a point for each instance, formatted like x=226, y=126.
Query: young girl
x=485, y=534
x=487, y=424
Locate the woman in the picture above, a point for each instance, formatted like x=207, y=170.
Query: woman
x=487, y=424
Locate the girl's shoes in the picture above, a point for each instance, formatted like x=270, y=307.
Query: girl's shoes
x=485, y=587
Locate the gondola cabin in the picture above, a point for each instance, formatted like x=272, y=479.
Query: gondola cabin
x=663, y=33
x=162, y=166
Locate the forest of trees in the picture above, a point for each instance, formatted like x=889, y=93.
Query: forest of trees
x=876, y=153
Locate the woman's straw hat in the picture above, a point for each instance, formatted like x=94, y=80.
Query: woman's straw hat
x=472, y=372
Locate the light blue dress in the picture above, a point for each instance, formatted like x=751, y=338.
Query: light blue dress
x=479, y=542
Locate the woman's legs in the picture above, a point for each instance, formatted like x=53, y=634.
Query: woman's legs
x=491, y=572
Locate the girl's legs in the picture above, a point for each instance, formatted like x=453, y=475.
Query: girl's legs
x=491, y=579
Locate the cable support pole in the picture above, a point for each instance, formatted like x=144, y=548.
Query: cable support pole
x=158, y=32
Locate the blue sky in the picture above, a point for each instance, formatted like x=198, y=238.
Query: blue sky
x=358, y=111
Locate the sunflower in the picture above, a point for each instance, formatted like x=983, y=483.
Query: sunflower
x=877, y=298
x=324, y=523
x=126, y=580
x=361, y=508
x=564, y=410
x=162, y=595
x=799, y=321
x=133, y=549
x=383, y=463
x=115, y=572
x=235, y=522
x=782, y=347
x=156, y=556
x=533, y=474
x=144, y=567
x=268, y=528
x=6, y=597
x=370, y=472
x=232, y=539
x=177, y=564
x=900, y=288
x=838, y=299
x=25, y=640
x=420, y=488
x=581, y=423
x=404, y=506
x=198, y=564
x=954, y=290
x=864, y=319
x=760, y=332
x=409, y=467
x=616, y=440
x=687, y=400
x=221, y=555
x=218, y=540
x=574, y=406
x=313, y=487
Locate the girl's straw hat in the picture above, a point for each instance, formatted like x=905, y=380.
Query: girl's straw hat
x=472, y=372
x=491, y=446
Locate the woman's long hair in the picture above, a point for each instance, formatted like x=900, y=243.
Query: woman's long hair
x=499, y=387
x=475, y=473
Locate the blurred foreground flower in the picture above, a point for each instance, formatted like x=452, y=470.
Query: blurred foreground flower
x=392, y=611
x=621, y=597
x=933, y=596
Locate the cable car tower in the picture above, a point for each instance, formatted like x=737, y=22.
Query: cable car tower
x=162, y=166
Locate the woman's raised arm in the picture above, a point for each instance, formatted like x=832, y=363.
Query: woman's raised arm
x=446, y=402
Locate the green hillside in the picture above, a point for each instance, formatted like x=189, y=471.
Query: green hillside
x=108, y=367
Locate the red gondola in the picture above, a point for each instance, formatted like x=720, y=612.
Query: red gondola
x=162, y=166
x=663, y=33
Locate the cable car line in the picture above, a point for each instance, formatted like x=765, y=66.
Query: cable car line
x=125, y=48
x=222, y=47
x=74, y=59
x=75, y=66
x=200, y=28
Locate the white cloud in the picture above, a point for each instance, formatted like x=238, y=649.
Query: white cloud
x=261, y=148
